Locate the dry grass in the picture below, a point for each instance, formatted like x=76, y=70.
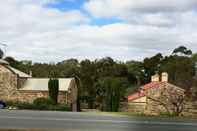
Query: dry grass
x=22, y=130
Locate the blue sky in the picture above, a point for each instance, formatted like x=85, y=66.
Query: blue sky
x=66, y=5
x=69, y=5
x=55, y=30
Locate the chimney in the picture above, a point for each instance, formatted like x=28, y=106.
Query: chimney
x=164, y=77
x=155, y=78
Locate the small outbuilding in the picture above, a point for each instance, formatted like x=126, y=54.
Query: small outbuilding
x=156, y=97
x=16, y=85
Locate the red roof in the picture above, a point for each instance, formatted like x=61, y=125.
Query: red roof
x=151, y=85
x=141, y=92
x=136, y=95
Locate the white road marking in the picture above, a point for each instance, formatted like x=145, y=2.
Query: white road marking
x=108, y=121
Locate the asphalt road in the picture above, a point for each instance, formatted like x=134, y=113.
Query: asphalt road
x=68, y=121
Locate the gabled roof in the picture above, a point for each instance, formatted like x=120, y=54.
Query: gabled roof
x=41, y=84
x=19, y=73
x=3, y=62
x=141, y=93
x=15, y=71
x=148, y=86
x=136, y=95
x=152, y=85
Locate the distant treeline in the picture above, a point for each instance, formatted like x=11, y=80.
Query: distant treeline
x=103, y=83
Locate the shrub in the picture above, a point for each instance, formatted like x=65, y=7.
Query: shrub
x=59, y=108
x=53, y=86
x=24, y=105
x=20, y=105
x=39, y=104
x=167, y=114
x=42, y=103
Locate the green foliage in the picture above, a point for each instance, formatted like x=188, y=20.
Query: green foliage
x=136, y=74
x=180, y=65
x=152, y=65
x=111, y=91
x=182, y=50
x=181, y=71
x=43, y=103
x=53, y=86
x=39, y=104
x=167, y=114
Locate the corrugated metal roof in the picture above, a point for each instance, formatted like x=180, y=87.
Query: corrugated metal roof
x=3, y=62
x=41, y=84
x=16, y=71
x=20, y=73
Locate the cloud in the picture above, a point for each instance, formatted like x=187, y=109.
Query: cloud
x=151, y=12
x=35, y=32
x=114, y=8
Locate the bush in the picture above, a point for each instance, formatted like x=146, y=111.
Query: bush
x=43, y=103
x=25, y=105
x=39, y=104
x=42, y=100
x=20, y=105
x=167, y=114
x=59, y=108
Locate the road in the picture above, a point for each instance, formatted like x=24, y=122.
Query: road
x=69, y=121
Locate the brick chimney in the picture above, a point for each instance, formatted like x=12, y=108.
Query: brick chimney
x=155, y=78
x=164, y=77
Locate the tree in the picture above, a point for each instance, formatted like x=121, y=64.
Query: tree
x=181, y=71
x=88, y=77
x=110, y=91
x=152, y=66
x=53, y=86
x=182, y=50
x=136, y=73
x=1, y=54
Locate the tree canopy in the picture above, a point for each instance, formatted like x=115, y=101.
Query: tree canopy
x=101, y=79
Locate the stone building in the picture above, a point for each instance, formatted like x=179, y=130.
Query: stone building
x=156, y=97
x=19, y=86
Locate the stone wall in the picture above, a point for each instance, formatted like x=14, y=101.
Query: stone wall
x=137, y=105
x=157, y=100
x=21, y=81
x=30, y=96
x=8, y=84
x=72, y=95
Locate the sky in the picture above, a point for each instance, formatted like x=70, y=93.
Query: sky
x=55, y=30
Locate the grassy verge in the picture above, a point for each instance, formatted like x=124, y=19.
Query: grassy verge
x=133, y=115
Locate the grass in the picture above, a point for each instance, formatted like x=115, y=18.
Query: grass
x=134, y=115
x=20, y=130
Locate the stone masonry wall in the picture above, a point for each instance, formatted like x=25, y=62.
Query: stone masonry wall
x=72, y=95
x=8, y=84
x=30, y=96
